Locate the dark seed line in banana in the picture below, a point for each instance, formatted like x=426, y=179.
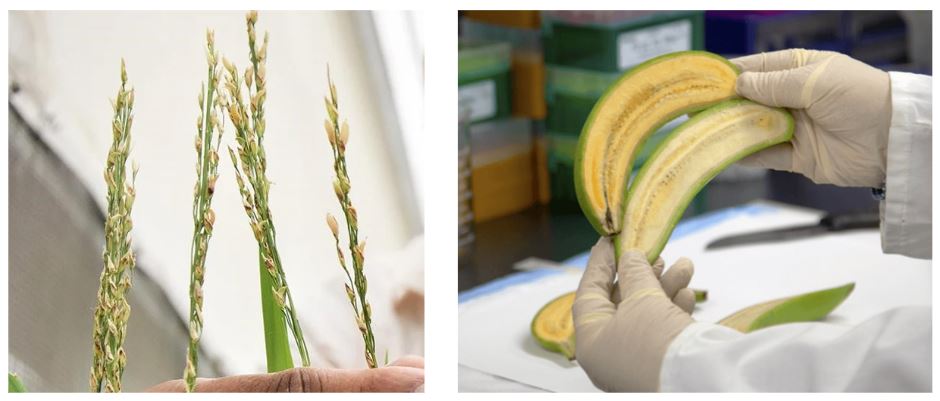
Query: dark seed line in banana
x=686, y=84
x=643, y=118
x=674, y=169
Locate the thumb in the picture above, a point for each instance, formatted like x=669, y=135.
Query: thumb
x=311, y=380
x=786, y=88
x=592, y=302
x=777, y=157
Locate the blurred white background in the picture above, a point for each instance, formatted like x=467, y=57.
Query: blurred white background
x=64, y=66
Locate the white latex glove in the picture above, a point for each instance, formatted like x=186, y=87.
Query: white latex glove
x=842, y=109
x=621, y=344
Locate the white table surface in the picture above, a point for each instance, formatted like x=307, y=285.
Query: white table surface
x=497, y=353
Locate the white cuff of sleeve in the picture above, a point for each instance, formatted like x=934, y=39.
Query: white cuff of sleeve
x=700, y=336
x=906, y=210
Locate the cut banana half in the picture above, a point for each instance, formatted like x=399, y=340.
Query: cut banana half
x=640, y=102
x=801, y=308
x=693, y=154
x=553, y=327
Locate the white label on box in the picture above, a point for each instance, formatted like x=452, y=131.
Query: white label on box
x=480, y=98
x=637, y=46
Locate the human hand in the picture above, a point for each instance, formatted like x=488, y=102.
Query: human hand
x=621, y=343
x=402, y=376
x=842, y=110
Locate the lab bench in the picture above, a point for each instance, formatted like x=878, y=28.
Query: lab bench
x=547, y=233
x=533, y=232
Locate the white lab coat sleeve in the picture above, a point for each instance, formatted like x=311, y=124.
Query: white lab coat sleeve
x=906, y=210
x=889, y=352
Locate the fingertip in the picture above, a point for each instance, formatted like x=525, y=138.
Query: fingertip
x=634, y=263
x=771, y=61
x=747, y=63
x=776, y=157
x=685, y=300
x=744, y=84
x=597, y=279
x=684, y=269
x=685, y=264
x=677, y=277
x=658, y=266
x=603, y=244
x=412, y=361
x=602, y=253
x=752, y=160
x=395, y=379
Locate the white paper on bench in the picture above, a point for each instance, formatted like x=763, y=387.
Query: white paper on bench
x=494, y=329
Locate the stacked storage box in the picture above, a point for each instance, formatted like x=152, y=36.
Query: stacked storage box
x=502, y=178
x=585, y=53
x=465, y=234
x=483, y=82
x=509, y=167
x=737, y=33
x=879, y=38
x=521, y=30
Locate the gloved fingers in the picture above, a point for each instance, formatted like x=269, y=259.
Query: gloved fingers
x=778, y=60
x=592, y=299
x=658, y=267
x=602, y=253
x=777, y=157
x=787, y=88
x=677, y=277
x=635, y=276
x=766, y=62
x=685, y=299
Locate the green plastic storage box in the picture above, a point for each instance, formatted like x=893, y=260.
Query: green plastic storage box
x=483, y=79
x=571, y=93
x=614, y=41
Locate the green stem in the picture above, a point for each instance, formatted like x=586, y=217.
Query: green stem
x=16, y=385
x=276, y=344
x=293, y=322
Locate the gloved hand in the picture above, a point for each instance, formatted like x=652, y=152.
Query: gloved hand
x=842, y=109
x=621, y=343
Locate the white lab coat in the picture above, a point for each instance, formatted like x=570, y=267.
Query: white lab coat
x=889, y=352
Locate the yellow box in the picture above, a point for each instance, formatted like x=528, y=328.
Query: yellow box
x=515, y=18
x=528, y=85
x=503, y=177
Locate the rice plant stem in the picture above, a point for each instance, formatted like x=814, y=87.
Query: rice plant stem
x=15, y=384
x=356, y=288
x=112, y=310
x=203, y=217
x=250, y=165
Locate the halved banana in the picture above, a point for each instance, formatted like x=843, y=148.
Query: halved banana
x=640, y=102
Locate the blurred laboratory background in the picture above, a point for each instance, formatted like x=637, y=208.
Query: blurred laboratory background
x=528, y=80
x=63, y=69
